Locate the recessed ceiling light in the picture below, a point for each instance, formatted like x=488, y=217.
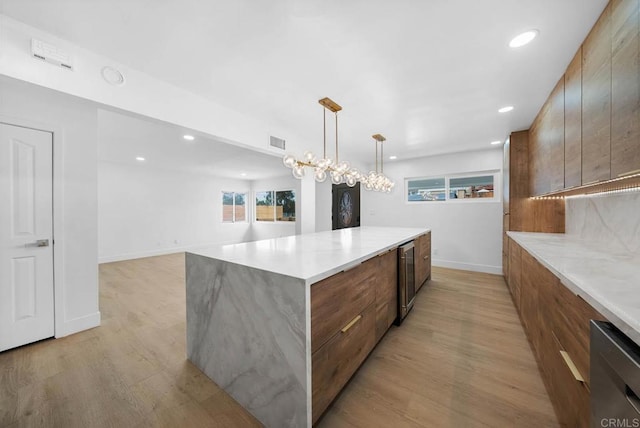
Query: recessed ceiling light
x=113, y=76
x=189, y=137
x=140, y=159
x=393, y=157
x=523, y=39
x=496, y=142
x=243, y=174
x=505, y=109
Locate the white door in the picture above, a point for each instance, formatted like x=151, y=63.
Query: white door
x=26, y=232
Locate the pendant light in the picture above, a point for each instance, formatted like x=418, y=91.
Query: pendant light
x=376, y=180
x=339, y=171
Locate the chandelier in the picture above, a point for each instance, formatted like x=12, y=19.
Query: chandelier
x=376, y=180
x=339, y=171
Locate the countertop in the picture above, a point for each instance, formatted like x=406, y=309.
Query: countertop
x=607, y=278
x=313, y=256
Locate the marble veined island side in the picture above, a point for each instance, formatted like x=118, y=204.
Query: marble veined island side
x=249, y=312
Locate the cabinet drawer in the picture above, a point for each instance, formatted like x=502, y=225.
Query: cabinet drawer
x=338, y=299
x=335, y=362
x=568, y=316
x=569, y=396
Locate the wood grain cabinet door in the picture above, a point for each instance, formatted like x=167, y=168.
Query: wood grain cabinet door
x=573, y=122
x=338, y=299
x=625, y=87
x=596, y=101
x=335, y=362
x=386, y=292
x=515, y=269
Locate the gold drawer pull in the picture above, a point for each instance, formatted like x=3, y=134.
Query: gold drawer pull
x=425, y=257
x=574, y=370
x=351, y=324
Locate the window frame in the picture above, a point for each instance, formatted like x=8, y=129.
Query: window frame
x=447, y=188
x=275, y=217
x=233, y=210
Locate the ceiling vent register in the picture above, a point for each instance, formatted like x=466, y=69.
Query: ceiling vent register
x=276, y=142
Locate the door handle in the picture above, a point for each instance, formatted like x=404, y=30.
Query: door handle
x=38, y=243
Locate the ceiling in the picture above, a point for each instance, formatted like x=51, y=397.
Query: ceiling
x=429, y=75
x=124, y=137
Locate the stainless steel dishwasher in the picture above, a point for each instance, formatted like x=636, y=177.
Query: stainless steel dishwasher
x=615, y=378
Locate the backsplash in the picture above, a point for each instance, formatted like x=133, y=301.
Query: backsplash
x=612, y=218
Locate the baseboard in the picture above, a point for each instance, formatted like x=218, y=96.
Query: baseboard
x=496, y=270
x=78, y=324
x=157, y=252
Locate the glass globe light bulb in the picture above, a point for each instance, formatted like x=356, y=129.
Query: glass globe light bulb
x=351, y=181
x=320, y=175
x=298, y=172
x=289, y=161
x=336, y=178
x=309, y=157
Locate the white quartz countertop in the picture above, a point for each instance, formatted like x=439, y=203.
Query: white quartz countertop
x=313, y=256
x=608, y=279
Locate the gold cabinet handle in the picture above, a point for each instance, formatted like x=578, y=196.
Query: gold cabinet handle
x=425, y=257
x=351, y=324
x=574, y=370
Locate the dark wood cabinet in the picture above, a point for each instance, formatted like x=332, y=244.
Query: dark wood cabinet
x=625, y=87
x=386, y=292
x=573, y=122
x=422, y=258
x=596, y=101
x=515, y=272
x=556, y=322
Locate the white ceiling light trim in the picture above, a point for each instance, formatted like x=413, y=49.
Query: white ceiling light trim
x=523, y=39
x=495, y=143
x=140, y=159
x=189, y=137
x=113, y=76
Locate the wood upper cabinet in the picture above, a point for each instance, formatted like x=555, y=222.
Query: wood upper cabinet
x=573, y=122
x=625, y=87
x=422, y=259
x=596, y=101
x=546, y=145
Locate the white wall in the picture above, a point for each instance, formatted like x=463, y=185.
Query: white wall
x=264, y=229
x=145, y=211
x=465, y=235
x=73, y=123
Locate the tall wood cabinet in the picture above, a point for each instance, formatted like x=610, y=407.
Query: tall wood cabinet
x=521, y=213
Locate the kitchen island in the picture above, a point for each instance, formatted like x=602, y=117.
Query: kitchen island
x=251, y=307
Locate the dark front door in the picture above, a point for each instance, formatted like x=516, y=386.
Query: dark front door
x=346, y=206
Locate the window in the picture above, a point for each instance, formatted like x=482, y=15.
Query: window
x=426, y=189
x=276, y=205
x=452, y=188
x=234, y=207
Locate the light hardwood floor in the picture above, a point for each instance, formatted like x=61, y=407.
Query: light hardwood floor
x=460, y=359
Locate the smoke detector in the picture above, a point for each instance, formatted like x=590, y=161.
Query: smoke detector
x=112, y=76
